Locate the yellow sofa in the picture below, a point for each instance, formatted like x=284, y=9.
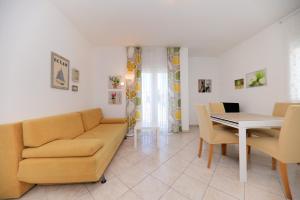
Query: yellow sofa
x=70, y=148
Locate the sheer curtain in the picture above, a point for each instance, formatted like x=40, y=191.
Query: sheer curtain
x=155, y=87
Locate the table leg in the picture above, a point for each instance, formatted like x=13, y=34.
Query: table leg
x=135, y=137
x=243, y=154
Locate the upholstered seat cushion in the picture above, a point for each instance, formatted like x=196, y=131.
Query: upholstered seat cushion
x=268, y=145
x=37, y=132
x=113, y=120
x=224, y=136
x=271, y=132
x=91, y=118
x=64, y=148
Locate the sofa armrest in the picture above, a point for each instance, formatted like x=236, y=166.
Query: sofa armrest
x=11, y=146
x=113, y=120
x=64, y=148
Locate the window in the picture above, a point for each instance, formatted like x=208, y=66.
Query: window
x=295, y=73
x=155, y=87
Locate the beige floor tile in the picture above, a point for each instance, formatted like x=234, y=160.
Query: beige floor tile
x=166, y=175
x=214, y=194
x=149, y=164
x=68, y=192
x=111, y=190
x=177, y=163
x=229, y=185
x=36, y=193
x=150, y=189
x=190, y=187
x=173, y=195
x=268, y=183
x=132, y=176
x=117, y=166
x=200, y=172
x=254, y=193
x=129, y=195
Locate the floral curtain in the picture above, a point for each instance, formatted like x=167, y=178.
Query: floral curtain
x=174, y=89
x=133, y=87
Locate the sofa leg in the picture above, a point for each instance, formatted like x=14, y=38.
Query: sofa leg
x=125, y=137
x=103, y=179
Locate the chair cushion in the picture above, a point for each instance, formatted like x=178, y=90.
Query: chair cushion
x=64, y=148
x=41, y=131
x=91, y=118
x=268, y=145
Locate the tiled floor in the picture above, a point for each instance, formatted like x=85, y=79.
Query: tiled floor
x=173, y=171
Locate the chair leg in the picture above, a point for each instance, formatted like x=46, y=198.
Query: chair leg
x=248, y=152
x=285, y=180
x=224, y=149
x=210, y=154
x=273, y=163
x=200, y=147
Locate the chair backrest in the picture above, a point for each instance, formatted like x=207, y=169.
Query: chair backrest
x=205, y=124
x=289, y=138
x=216, y=108
x=280, y=108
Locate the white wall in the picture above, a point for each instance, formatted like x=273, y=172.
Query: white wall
x=184, y=82
x=107, y=61
x=29, y=31
x=202, y=68
x=267, y=49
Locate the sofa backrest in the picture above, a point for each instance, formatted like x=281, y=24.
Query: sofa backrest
x=37, y=132
x=91, y=118
x=11, y=147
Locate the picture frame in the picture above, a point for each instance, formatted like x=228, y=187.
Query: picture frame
x=204, y=85
x=257, y=78
x=239, y=84
x=75, y=75
x=115, y=97
x=59, y=71
x=115, y=82
x=74, y=88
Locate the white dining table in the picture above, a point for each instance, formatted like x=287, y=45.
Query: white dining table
x=242, y=122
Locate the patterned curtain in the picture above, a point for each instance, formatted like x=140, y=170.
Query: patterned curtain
x=174, y=89
x=133, y=87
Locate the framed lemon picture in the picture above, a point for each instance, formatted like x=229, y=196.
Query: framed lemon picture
x=59, y=72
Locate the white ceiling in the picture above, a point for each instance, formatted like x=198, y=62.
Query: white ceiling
x=207, y=27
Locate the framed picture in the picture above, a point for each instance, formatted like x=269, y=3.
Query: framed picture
x=115, y=97
x=59, y=72
x=115, y=82
x=75, y=75
x=239, y=84
x=74, y=88
x=256, y=79
x=204, y=85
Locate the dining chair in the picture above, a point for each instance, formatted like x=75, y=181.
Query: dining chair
x=285, y=149
x=216, y=108
x=212, y=135
x=279, y=110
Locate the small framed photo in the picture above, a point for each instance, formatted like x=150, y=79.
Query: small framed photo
x=74, y=88
x=59, y=72
x=115, y=97
x=239, y=84
x=75, y=75
x=204, y=85
x=115, y=82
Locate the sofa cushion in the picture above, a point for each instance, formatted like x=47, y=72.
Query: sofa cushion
x=91, y=118
x=40, y=131
x=113, y=120
x=64, y=148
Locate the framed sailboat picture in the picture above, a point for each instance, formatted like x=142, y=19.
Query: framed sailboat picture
x=59, y=72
